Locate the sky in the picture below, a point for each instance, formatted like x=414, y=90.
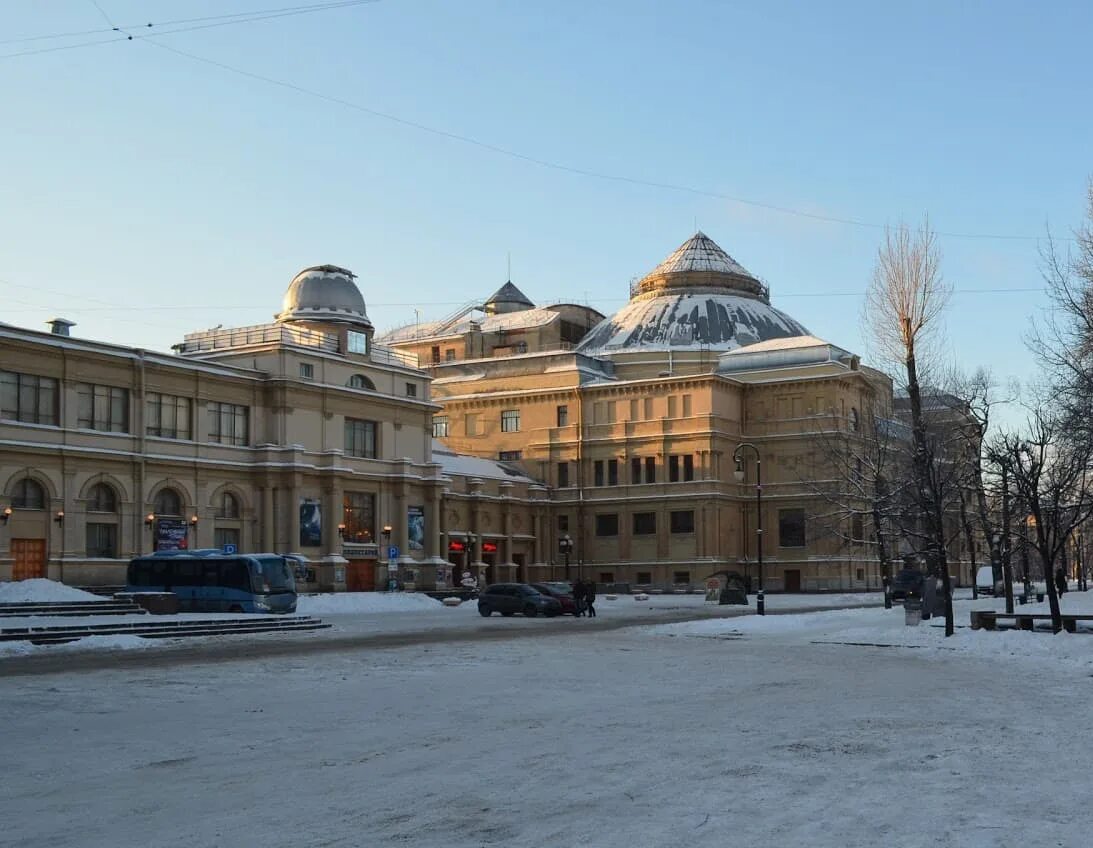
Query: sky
x=147, y=193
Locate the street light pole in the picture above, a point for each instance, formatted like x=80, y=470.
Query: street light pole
x=760, y=606
x=565, y=546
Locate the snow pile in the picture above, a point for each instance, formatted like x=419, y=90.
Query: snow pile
x=365, y=602
x=88, y=643
x=41, y=590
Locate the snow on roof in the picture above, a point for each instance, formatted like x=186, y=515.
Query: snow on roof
x=787, y=343
x=475, y=466
x=524, y=319
x=508, y=293
x=700, y=253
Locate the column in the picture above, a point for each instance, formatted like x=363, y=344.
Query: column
x=268, y=542
x=332, y=511
x=432, y=525
x=292, y=495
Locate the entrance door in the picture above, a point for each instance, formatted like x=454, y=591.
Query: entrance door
x=30, y=558
x=793, y=580
x=360, y=575
x=521, y=570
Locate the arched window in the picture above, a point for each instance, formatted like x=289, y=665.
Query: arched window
x=359, y=381
x=168, y=503
x=854, y=422
x=28, y=494
x=226, y=506
x=101, y=498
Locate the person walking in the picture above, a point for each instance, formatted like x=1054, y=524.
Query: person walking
x=1060, y=581
x=590, y=598
x=578, y=598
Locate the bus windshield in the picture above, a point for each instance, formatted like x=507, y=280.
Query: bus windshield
x=272, y=575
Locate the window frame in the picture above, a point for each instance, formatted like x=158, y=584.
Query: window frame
x=104, y=409
x=441, y=426
x=155, y=403
x=510, y=420
x=361, y=438
x=677, y=523
x=23, y=396
x=644, y=524
x=607, y=525
x=785, y=516
x=219, y=413
x=561, y=413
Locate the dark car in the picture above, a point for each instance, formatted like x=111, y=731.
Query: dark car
x=907, y=583
x=563, y=592
x=511, y=598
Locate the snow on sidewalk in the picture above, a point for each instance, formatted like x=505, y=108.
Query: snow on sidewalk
x=366, y=602
x=41, y=590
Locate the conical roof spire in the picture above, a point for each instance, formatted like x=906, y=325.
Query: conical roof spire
x=700, y=253
x=508, y=298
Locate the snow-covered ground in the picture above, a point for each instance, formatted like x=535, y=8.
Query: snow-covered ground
x=41, y=590
x=745, y=731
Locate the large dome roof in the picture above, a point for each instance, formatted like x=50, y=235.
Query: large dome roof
x=324, y=293
x=699, y=297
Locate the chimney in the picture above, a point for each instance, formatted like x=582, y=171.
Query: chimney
x=60, y=326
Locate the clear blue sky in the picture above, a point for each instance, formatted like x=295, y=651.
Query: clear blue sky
x=137, y=177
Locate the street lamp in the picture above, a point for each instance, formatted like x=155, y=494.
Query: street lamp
x=565, y=548
x=760, y=606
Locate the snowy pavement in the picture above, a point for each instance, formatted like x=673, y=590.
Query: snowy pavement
x=743, y=731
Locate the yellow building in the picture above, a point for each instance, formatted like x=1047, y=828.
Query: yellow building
x=634, y=428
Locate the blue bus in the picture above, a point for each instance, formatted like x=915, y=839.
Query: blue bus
x=207, y=581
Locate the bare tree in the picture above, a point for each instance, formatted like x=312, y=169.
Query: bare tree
x=903, y=309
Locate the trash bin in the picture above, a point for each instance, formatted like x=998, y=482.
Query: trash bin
x=1039, y=597
x=912, y=613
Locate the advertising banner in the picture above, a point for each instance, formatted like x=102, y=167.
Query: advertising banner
x=311, y=523
x=172, y=534
x=415, y=527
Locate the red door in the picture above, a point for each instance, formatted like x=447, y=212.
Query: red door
x=30, y=558
x=360, y=575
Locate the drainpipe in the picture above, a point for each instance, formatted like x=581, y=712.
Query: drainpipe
x=580, y=482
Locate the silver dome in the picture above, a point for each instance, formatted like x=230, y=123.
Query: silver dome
x=324, y=293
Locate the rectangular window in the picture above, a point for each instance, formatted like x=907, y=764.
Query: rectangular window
x=650, y=469
x=102, y=540
x=563, y=523
x=359, y=516
x=307, y=371
x=103, y=408
x=611, y=411
x=612, y=472
x=673, y=469
x=672, y=403
x=635, y=470
x=229, y=423
x=647, y=412
x=166, y=416
x=644, y=578
x=509, y=456
x=688, y=467
x=440, y=426
x=225, y=536
x=436, y=354
x=510, y=421
x=633, y=410
x=607, y=524
x=563, y=416
x=470, y=424
x=861, y=575
x=791, y=528
x=449, y=355
x=411, y=390
x=360, y=438
x=563, y=475
x=645, y=523
x=686, y=406
x=28, y=398
x=597, y=473
x=598, y=413
x=357, y=342
x=607, y=578
x=681, y=578
x=683, y=521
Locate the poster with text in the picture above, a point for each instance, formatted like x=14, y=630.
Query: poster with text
x=172, y=534
x=415, y=527
x=311, y=523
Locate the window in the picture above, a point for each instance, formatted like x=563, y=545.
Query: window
x=356, y=342
x=359, y=516
x=102, y=408
x=471, y=424
x=854, y=422
x=607, y=524
x=28, y=398
x=672, y=404
x=861, y=575
x=644, y=578
x=791, y=528
x=686, y=406
x=228, y=423
x=435, y=354
x=650, y=469
x=225, y=536
x=563, y=416
x=360, y=438
x=359, y=381
x=606, y=578
x=102, y=540
x=647, y=408
x=307, y=371
x=509, y=456
x=440, y=426
x=635, y=470
x=521, y=347
x=688, y=467
x=449, y=355
x=673, y=469
x=611, y=412
x=681, y=578
x=167, y=502
x=683, y=521
x=101, y=498
x=597, y=473
x=226, y=506
x=645, y=523
x=167, y=416
x=563, y=475
x=857, y=530
x=633, y=410
x=28, y=494
x=411, y=390
x=510, y=421
x=612, y=472
x=563, y=523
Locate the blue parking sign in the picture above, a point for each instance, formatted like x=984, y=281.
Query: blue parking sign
x=392, y=552
x=230, y=549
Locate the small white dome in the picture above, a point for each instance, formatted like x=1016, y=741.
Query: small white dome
x=324, y=293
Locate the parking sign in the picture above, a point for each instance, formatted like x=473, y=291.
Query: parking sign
x=392, y=552
x=230, y=549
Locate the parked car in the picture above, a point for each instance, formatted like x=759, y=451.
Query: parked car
x=511, y=598
x=985, y=583
x=907, y=582
x=563, y=592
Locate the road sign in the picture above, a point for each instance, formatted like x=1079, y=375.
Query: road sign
x=392, y=552
x=230, y=549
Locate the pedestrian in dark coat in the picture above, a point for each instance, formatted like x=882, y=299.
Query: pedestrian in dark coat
x=1060, y=581
x=590, y=598
x=578, y=598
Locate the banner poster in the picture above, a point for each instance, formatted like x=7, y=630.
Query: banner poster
x=311, y=523
x=172, y=534
x=415, y=527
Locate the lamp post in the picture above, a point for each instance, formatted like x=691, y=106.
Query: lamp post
x=760, y=606
x=150, y=523
x=392, y=567
x=565, y=548
x=193, y=526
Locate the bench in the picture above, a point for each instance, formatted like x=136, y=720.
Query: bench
x=989, y=620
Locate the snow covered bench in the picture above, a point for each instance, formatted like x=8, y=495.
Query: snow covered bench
x=989, y=620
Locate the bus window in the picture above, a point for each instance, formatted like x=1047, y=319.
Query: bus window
x=234, y=575
x=186, y=573
x=211, y=573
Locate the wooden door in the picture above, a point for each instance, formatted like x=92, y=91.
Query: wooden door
x=360, y=575
x=793, y=580
x=30, y=558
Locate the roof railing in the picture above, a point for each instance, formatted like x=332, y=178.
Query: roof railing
x=258, y=334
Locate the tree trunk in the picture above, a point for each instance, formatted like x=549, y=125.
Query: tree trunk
x=969, y=540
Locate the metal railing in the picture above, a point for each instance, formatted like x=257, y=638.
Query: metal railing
x=234, y=337
x=382, y=355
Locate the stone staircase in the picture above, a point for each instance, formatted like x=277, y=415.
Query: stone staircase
x=112, y=606
x=155, y=627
